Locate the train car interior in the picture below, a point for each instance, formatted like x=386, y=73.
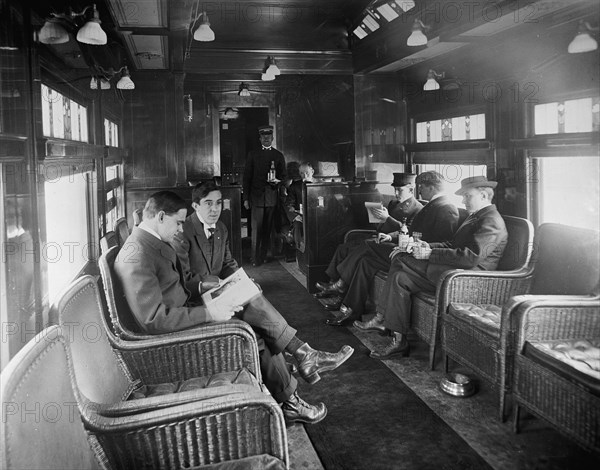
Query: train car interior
x=150, y=148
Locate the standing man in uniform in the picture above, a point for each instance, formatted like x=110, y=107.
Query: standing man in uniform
x=264, y=172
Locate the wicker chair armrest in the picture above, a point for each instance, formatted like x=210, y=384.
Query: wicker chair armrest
x=549, y=317
x=205, y=431
x=158, y=402
x=212, y=349
x=359, y=235
x=481, y=287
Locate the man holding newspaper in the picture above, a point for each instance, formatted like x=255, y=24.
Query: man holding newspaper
x=203, y=250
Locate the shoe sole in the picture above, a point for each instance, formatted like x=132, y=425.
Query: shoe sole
x=381, y=329
x=305, y=421
x=404, y=353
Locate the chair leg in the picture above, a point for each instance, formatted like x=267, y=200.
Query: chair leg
x=516, y=417
x=432, y=355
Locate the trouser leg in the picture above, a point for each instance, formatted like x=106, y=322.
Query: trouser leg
x=267, y=231
x=268, y=323
x=341, y=252
x=360, y=285
x=257, y=215
x=275, y=373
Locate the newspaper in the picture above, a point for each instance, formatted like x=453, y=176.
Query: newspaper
x=370, y=206
x=236, y=290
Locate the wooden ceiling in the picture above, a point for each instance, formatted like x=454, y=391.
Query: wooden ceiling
x=315, y=36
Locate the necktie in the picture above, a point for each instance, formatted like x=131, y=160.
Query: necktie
x=212, y=232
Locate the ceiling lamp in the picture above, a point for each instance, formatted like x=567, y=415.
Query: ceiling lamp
x=583, y=41
x=417, y=37
x=272, y=69
x=244, y=91
x=431, y=83
x=204, y=33
x=124, y=83
x=54, y=31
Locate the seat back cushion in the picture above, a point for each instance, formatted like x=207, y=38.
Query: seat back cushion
x=567, y=260
x=518, y=249
x=41, y=425
x=99, y=374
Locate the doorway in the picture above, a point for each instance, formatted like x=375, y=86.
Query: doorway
x=238, y=135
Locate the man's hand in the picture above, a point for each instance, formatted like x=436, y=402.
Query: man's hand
x=274, y=181
x=381, y=214
x=422, y=250
x=247, y=205
x=208, y=283
x=383, y=237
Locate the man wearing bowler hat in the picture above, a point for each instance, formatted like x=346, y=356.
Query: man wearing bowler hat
x=265, y=170
x=404, y=206
x=478, y=244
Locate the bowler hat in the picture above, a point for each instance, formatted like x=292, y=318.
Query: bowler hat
x=266, y=129
x=475, y=182
x=402, y=179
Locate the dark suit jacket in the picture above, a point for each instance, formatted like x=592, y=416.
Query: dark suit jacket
x=152, y=281
x=477, y=244
x=437, y=221
x=256, y=189
x=199, y=256
x=293, y=199
x=399, y=210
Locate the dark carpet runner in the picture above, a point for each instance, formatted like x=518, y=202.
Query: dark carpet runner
x=374, y=420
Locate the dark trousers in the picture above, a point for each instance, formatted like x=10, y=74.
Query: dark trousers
x=360, y=268
x=262, y=226
x=341, y=252
x=274, y=335
x=406, y=276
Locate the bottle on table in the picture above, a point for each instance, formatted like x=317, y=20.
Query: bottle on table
x=272, y=172
x=403, y=238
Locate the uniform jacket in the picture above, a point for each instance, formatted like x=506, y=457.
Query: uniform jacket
x=152, y=281
x=399, y=210
x=256, y=189
x=477, y=244
x=201, y=257
x=437, y=221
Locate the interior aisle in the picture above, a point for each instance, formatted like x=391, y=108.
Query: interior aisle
x=392, y=414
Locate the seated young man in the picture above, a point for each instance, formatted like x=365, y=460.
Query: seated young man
x=478, y=244
x=161, y=291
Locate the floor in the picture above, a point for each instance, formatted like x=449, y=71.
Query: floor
x=474, y=418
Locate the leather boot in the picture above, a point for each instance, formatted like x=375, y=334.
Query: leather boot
x=375, y=324
x=398, y=346
x=296, y=410
x=338, y=287
x=312, y=362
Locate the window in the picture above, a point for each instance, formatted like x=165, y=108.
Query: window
x=453, y=174
x=452, y=129
x=115, y=204
x=566, y=190
x=111, y=133
x=564, y=117
x=62, y=117
x=66, y=250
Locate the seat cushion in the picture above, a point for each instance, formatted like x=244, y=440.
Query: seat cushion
x=575, y=360
x=255, y=462
x=484, y=316
x=242, y=376
x=427, y=297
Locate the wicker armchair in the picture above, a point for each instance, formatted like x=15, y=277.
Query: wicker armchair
x=208, y=349
x=122, y=230
x=41, y=426
x=427, y=308
x=477, y=308
x=137, y=424
x=549, y=388
x=108, y=241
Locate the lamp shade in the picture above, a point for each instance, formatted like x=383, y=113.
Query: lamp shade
x=583, y=42
x=431, y=84
x=53, y=32
x=125, y=82
x=272, y=69
x=104, y=84
x=204, y=33
x=267, y=77
x=417, y=37
x=92, y=32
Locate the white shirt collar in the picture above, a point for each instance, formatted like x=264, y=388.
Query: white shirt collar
x=149, y=230
x=206, y=225
x=267, y=148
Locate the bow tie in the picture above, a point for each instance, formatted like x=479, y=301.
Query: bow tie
x=266, y=148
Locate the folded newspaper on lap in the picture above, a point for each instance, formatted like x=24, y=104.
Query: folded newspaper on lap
x=370, y=206
x=237, y=290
